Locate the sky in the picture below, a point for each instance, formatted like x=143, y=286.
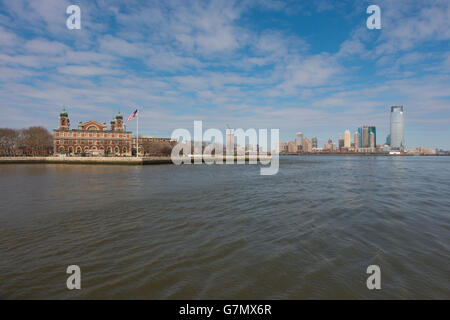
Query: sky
x=308, y=66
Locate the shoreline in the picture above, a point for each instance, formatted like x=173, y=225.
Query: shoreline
x=361, y=154
x=115, y=160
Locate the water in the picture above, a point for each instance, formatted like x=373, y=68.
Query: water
x=225, y=232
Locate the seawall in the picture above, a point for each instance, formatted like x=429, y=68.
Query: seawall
x=116, y=160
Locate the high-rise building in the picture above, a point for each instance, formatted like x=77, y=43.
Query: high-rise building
x=341, y=143
x=292, y=146
x=373, y=141
x=388, y=140
x=230, y=141
x=314, y=142
x=365, y=137
x=329, y=145
x=299, y=139
x=307, y=145
x=397, y=128
x=347, y=139
x=357, y=140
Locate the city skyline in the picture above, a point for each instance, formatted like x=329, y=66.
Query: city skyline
x=249, y=64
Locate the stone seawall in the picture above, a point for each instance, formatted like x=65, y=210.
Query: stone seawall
x=112, y=160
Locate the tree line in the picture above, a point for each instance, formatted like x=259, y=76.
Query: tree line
x=32, y=141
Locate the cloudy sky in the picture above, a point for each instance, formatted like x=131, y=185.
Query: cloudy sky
x=310, y=66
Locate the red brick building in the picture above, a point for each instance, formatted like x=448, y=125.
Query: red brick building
x=92, y=138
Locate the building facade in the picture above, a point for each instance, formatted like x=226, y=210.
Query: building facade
x=357, y=140
x=367, y=137
x=397, y=128
x=307, y=145
x=314, y=142
x=92, y=138
x=347, y=139
x=292, y=146
x=299, y=140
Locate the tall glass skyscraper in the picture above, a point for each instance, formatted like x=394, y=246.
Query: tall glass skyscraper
x=397, y=128
x=367, y=137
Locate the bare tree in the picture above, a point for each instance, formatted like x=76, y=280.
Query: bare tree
x=157, y=148
x=36, y=140
x=9, y=141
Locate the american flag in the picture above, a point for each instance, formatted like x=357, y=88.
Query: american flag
x=133, y=115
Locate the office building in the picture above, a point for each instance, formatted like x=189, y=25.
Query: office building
x=397, y=128
x=299, y=139
x=347, y=139
x=314, y=142
x=307, y=145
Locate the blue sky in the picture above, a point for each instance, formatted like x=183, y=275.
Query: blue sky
x=309, y=66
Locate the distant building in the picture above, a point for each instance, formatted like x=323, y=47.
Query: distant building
x=299, y=140
x=314, y=142
x=372, y=140
x=282, y=147
x=307, y=145
x=341, y=143
x=230, y=140
x=92, y=137
x=357, y=140
x=365, y=133
x=328, y=146
x=425, y=151
x=292, y=146
x=388, y=140
x=397, y=128
x=347, y=139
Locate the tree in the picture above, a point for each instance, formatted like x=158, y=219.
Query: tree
x=9, y=141
x=36, y=140
x=157, y=148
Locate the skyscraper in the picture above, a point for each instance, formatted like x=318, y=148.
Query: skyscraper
x=314, y=142
x=299, y=139
x=347, y=142
x=307, y=145
x=397, y=128
x=367, y=136
x=357, y=140
x=372, y=141
x=341, y=143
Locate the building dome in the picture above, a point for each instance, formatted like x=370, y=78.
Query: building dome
x=63, y=113
x=119, y=116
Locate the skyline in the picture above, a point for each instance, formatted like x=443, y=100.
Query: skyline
x=249, y=64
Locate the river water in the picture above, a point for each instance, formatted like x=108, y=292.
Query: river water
x=226, y=232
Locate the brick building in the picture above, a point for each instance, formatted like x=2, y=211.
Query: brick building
x=92, y=138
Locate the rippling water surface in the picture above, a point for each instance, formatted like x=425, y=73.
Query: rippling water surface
x=225, y=232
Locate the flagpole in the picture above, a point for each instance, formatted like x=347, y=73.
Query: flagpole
x=137, y=134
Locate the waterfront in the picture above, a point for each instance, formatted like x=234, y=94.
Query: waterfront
x=225, y=231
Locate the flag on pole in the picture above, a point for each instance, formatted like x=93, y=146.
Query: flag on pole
x=133, y=115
